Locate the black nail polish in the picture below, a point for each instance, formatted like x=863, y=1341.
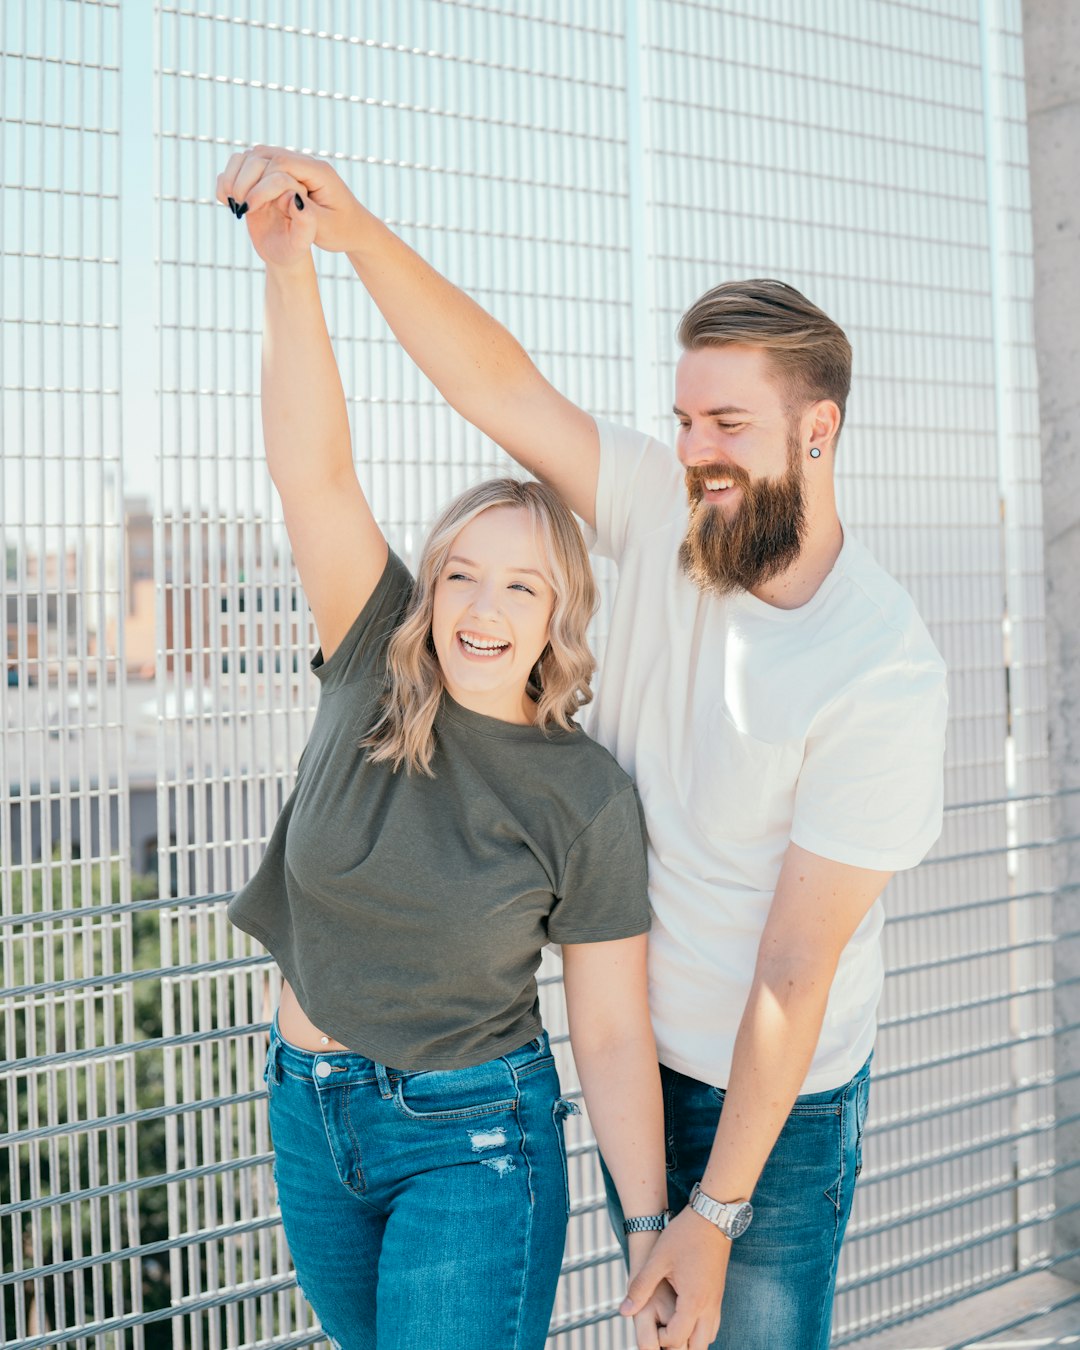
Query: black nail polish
x=241, y=211
x=232, y=205
x=299, y=202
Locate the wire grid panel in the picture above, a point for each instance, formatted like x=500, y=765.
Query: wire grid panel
x=67, y=942
x=586, y=173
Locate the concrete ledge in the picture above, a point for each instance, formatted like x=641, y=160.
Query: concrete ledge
x=972, y=1323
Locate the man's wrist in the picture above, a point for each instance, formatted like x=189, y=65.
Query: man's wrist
x=364, y=235
x=730, y=1217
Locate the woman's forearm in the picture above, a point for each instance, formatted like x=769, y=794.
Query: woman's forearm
x=621, y=1084
x=305, y=421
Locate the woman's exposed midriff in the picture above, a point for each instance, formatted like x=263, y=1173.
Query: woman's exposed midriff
x=296, y=1026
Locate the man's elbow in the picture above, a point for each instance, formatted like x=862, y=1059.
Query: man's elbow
x=796, y=976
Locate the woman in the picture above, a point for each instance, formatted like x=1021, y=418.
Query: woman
x=448, y=819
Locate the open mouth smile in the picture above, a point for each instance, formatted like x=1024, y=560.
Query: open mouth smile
x=482, y=648
x=716, y=487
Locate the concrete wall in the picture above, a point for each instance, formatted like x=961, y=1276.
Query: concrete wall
x=1052, y=57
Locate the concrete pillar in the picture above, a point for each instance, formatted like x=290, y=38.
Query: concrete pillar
x=1052, y=61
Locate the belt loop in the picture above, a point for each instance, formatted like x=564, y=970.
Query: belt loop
x=383, y=1079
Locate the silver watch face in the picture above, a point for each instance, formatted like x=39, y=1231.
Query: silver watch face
x=739, y=1222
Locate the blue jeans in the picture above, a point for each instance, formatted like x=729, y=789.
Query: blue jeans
x=422, y=1210
x=782, y=1272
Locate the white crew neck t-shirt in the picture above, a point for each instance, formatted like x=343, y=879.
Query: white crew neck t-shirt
x=747, y=727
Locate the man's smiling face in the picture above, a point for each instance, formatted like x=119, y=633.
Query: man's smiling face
x=740, y=445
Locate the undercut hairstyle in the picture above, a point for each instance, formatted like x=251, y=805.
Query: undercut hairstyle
x=559, y=683
x=810, y=354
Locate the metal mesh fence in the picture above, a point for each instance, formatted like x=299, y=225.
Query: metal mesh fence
x=584, y=170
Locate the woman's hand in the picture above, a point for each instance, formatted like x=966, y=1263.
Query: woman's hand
x=273, y=203
x=331, y=216
x=651, y=1322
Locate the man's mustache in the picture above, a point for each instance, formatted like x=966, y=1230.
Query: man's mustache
x=698, y=473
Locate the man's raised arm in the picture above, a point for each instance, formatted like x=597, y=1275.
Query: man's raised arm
x=479, y=368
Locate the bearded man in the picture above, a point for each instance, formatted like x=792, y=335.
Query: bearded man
x=782, y=708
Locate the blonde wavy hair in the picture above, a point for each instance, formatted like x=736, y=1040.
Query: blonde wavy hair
x=404, y=733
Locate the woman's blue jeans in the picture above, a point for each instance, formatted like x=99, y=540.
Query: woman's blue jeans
x=422, y=1210
x=782, y=1273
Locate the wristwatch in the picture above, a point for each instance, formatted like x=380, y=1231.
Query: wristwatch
x=647, y=1223
x=732, y=1219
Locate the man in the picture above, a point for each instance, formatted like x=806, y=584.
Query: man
x=782, y=709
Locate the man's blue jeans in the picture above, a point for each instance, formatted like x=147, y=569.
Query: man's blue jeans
x=782, y=1272
x=422, y=1210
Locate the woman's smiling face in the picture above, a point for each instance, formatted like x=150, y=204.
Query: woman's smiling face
x=492, y=607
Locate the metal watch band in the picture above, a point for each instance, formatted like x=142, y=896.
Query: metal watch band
x=647, y=1223
x=732, y=1218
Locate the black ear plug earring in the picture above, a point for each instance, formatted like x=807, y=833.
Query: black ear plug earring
x=815, y=453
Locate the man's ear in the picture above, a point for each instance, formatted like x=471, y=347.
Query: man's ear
x=824, y=422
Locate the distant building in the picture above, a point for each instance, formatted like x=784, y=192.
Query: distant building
x=227, y=596
x=42, y=601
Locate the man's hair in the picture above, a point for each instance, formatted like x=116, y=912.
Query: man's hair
x=809, y=352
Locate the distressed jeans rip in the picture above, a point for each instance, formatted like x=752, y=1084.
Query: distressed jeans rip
x=502, y=1167
x=482, y=1139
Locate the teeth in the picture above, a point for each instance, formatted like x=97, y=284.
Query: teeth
x=483, y=644
x=718, y=484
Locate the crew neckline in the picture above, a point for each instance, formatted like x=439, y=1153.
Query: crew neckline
x=493, y=726
x=777, y=614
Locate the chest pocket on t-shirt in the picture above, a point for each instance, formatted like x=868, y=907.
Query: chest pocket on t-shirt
x=742, y=788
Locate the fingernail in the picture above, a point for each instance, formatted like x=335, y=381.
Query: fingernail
x=241, y=211
x=232, y=205
x=299, y=202
x=626, y=1307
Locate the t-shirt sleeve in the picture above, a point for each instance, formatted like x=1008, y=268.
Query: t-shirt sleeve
x=604, y=891
x=638, y=486
x=364, y=645
x=871, y=787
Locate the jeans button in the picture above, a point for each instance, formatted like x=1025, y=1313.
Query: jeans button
x=322, y=1069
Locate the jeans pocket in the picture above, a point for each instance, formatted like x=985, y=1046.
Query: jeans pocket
x=560, y=1109
x=458, y=1094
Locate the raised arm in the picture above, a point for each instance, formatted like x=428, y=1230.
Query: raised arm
x=479, y=368
x=340, y=551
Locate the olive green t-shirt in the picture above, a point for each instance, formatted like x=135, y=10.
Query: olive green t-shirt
x=408, y=913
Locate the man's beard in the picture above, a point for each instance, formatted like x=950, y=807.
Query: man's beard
x=723, y=553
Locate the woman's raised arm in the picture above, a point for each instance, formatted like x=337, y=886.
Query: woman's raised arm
x=340, y=551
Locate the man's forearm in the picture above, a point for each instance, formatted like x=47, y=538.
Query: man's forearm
x=774, y=1047
x=475, y=363
x=817, y=907
x=480, y=368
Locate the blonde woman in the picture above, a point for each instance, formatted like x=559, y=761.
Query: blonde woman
x=449, y=819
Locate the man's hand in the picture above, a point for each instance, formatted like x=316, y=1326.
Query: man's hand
x=692, y=1256
x=255, y=177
